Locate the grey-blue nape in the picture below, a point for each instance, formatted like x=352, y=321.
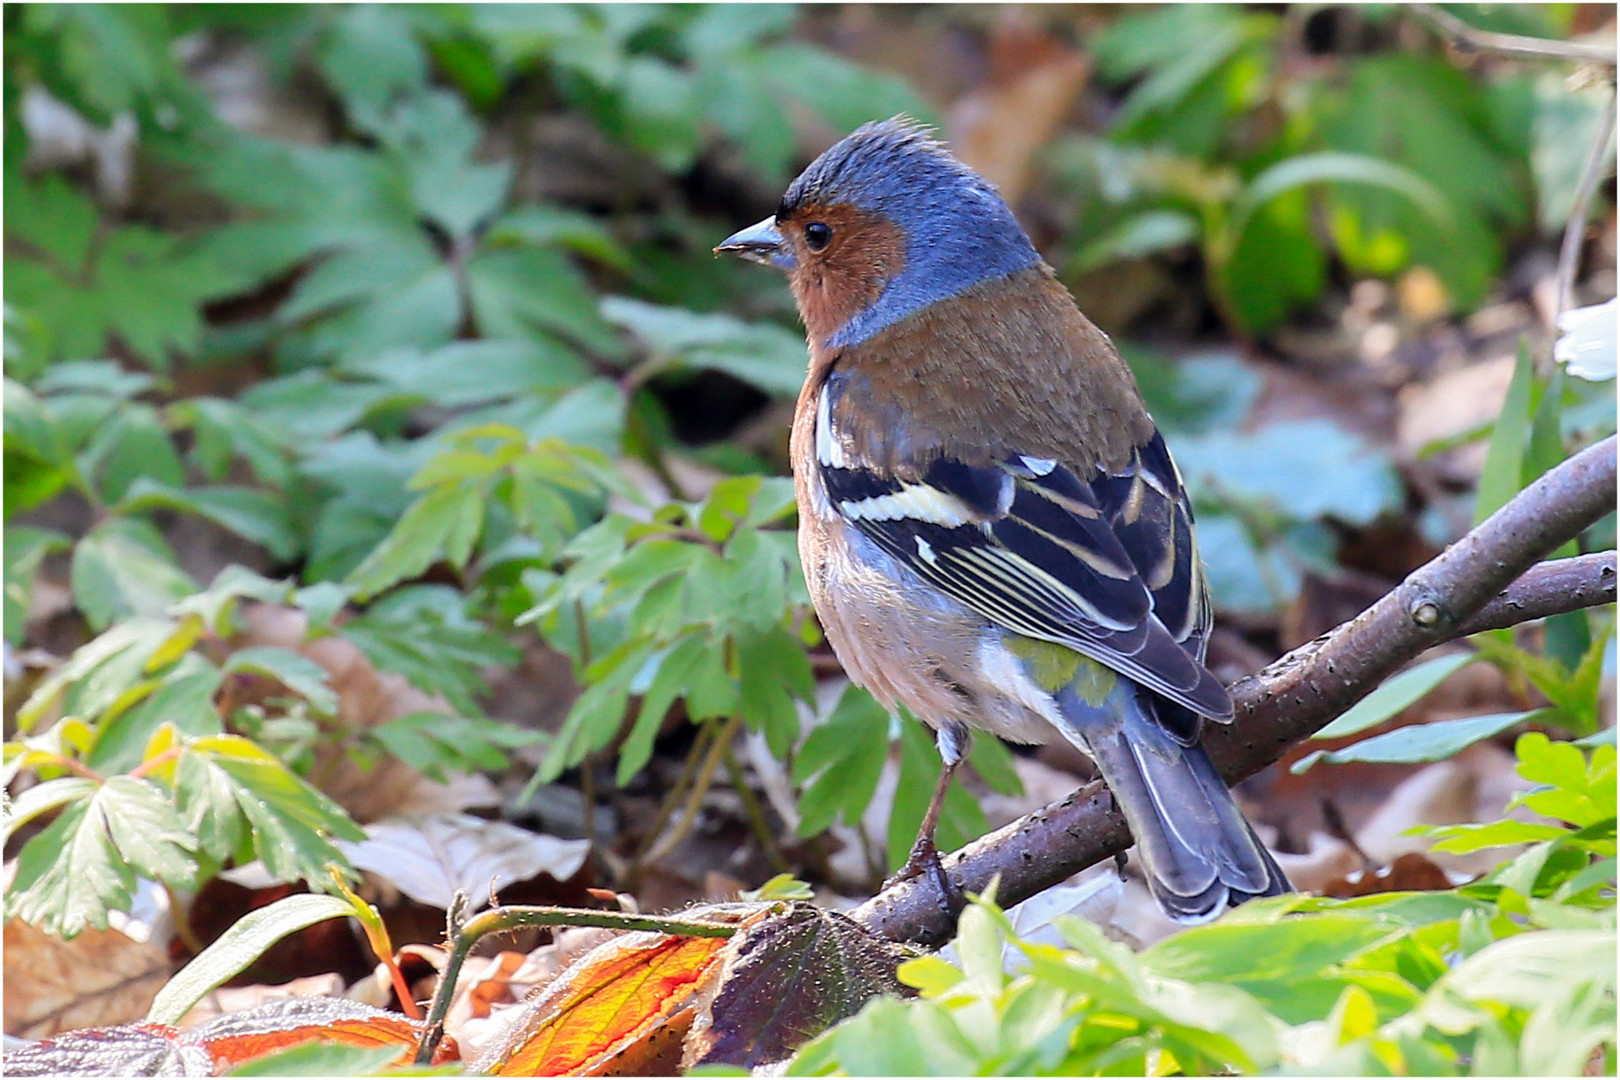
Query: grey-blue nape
x=956, y=229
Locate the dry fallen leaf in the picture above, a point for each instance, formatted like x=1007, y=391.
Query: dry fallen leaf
x=222, y=1044
x=998, y=128
x=612, y=999
x=100, y=978
x=226, y=1000
x=432, y=858
x=784, y=980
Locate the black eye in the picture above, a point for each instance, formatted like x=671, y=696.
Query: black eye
x=817, y=235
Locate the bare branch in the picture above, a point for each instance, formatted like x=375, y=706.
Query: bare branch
x=1471, y=39
x=1552, y=588
x=1300, y=693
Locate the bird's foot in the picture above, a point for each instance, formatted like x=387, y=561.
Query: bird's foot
x=925, y=859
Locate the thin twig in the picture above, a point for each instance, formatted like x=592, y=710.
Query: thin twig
x=1569, y=252
x=677, y=793
x=1290, y=699
x=755, y=813
x=1551, y=588
x=1473, y=39
x=700, y=786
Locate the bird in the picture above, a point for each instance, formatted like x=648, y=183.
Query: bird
x=992, y=530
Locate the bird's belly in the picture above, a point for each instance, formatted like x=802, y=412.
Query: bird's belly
x=911, y=644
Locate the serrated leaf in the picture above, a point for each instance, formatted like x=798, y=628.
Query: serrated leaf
x=443, y=523
x=84, y=864
x=840, y=762
x=123, y=568
x=226, y=779
x=295, y=671
x=255, y=515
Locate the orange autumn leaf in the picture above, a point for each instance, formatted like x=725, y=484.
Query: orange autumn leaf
x=613, y=999
x=238, y=1037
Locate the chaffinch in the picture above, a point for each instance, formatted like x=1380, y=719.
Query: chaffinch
x=992, y=529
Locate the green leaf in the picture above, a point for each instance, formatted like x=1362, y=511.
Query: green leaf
x=1502, y=476
x=425, y=634
x=1420, y=742
x=767, y=356
x=434, y=743
x=123, y=568
x=1326, y=167
x=25, y=549
x=516, y=291
x=296, y=672
x=225, y=781
x=1288, y=964
x=323, y=1059
x=84, y=864
x=661, y=112
x=255, y=515
x=773, y=675
x=840, y=762
x=1395, y=694
x=545, y=226
x=99, y=671
x=443, y=523
x=184, y=698
x=44, y=797
x=370, y=56
x=1147, y=233
x=239, y=947
x=133, y=445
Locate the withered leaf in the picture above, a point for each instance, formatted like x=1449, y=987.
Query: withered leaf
x=220, y=1045
x=785, y=980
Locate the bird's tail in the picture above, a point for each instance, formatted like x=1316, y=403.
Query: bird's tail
x=1198, y=852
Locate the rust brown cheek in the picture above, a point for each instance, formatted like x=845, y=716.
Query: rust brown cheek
x=869, y=250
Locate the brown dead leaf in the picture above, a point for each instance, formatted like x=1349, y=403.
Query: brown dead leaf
x=786, y=979
x=1411, y=872
x=1447, y=405
x=431, y=858
x=366, y=698
x=100, y=978
x=998, y=128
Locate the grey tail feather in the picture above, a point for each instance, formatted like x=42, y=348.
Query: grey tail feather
x=1198, y=852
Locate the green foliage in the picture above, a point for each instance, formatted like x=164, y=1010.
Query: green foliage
x=700, y=604
x=1388, y=160
x=1514, y=974
x=458, y=374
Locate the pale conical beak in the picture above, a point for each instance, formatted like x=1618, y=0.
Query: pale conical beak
x=759, y=243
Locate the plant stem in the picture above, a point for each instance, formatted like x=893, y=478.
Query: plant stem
x=700, y=786
x=755, y=813
x=1473, y=39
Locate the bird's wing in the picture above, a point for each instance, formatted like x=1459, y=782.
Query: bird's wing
x=1104, y=564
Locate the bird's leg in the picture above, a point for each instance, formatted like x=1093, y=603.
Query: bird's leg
x=924, y=857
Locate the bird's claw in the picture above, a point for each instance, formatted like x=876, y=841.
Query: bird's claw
x=925, y=859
